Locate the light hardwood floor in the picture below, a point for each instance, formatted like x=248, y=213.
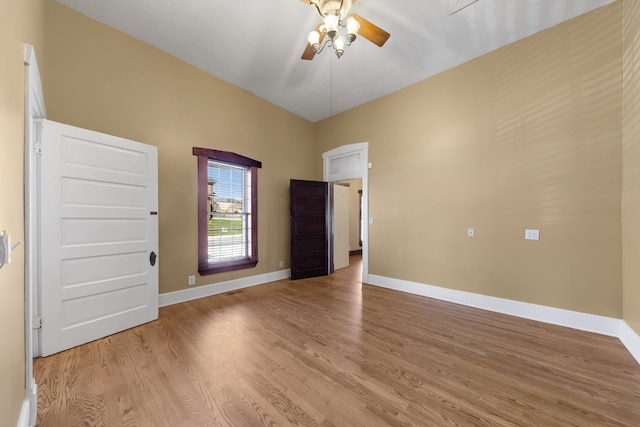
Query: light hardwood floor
x=333, y=352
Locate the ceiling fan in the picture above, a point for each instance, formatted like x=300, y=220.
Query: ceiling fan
x=335, y=15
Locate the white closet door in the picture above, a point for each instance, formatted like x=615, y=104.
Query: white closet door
x=99, y=232
x=340, y=226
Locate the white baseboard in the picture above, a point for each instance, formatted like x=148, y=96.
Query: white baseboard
x=630, y=339
x=572, y=319
x=220, y=288
x=25, y=412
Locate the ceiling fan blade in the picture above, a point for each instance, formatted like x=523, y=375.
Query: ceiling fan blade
x=308, y=53
x=371, y=32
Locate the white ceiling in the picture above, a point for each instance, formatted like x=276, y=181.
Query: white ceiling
x=257, y=44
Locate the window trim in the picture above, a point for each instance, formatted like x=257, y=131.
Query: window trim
x=204, y=155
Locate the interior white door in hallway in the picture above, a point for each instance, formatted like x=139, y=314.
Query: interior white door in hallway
x=340, y=226
x=98, y=235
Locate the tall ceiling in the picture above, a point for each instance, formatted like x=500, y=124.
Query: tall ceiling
x=257, y=44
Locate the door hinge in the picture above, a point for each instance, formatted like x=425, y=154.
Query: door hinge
x=37, y=137
x=36, y=322
x=37, y=147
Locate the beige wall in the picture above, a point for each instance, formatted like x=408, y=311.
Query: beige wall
x=527, y=136
x=20, y=22
x=631, y=161
x=104, y=80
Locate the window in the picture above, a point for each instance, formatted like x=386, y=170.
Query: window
x=227, y=211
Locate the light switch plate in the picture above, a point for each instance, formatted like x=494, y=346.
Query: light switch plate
x=5, y=248
x=471, y=232
x=531, y=234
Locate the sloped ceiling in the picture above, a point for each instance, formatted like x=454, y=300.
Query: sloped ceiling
x=257, y=44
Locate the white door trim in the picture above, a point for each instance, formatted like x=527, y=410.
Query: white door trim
x=34, y=110
x=360, y=171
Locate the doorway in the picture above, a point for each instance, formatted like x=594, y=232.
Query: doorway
x=347, y=221
x=350, y=162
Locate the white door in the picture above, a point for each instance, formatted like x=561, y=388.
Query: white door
x=99, y=231
x=340, y=226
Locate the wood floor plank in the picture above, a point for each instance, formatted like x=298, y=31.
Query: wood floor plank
x=333, y=352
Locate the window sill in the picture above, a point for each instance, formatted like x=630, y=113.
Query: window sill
x=227, y=266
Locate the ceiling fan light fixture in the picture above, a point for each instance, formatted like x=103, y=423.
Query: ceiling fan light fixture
x=331, y=23
x=339, y=29
x=338, y=44
x=314, y=40
x=352, y=28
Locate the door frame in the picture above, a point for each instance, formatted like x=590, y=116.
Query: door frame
x=358, y=170
x=34, y=111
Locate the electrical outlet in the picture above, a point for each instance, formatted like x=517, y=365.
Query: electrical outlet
x=471, y=232
x=191, y=280
x=281, y=264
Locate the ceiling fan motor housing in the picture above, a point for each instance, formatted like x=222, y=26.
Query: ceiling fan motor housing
x=338, y=8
